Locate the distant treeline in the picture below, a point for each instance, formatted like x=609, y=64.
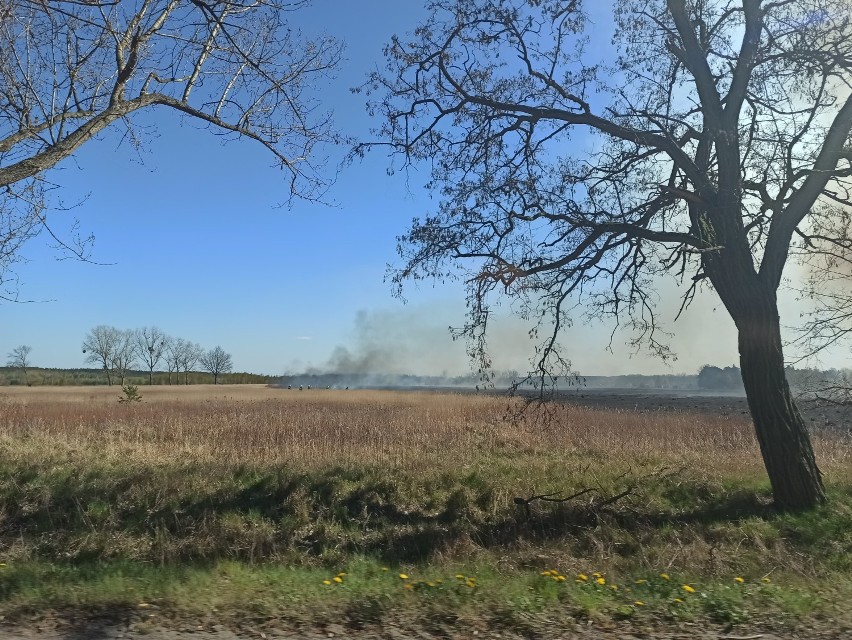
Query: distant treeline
x=637, y=381
x=800, y=380
x=68, y=377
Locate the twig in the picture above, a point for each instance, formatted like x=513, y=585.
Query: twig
x=616, y=497
x=547, y=497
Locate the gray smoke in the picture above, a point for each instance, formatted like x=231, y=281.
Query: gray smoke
x=413, y=346
x=400, y=341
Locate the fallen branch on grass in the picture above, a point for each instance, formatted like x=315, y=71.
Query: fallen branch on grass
x=593, y=505
x=548, y=497
x=602, y=501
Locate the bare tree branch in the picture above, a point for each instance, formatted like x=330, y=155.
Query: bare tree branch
x=69, y=69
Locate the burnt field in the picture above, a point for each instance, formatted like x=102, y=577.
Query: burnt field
x=818, y=415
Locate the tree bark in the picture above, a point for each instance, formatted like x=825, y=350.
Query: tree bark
x=781, y=431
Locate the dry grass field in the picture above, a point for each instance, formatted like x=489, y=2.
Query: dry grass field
x=103, y=502
x=256, y=424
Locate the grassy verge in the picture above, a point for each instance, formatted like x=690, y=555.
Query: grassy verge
x=375, y=508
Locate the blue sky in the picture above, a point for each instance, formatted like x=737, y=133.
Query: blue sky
x=193, y=241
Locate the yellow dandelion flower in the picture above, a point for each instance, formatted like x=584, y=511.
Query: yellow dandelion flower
x=739, y=579
x=688, y=589
x=439, y=581
x=582, y=577
x=559, y=578
x=596, y=575
x=639, y=603
x=326, y=582
x=471, y=578
x=403, y=576
x=337, y=579
x=385, y=569
x=430, y=584
x=678, y=600
x=460, y=576
x=613, y=587
x=641, y=581
x=470, y=584
x=601, y=580
x=766, y=579
x=342, y=574
x=664, y=576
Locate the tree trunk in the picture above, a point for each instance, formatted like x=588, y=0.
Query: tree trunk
x=781, y=431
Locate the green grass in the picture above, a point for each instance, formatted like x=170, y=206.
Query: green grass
x=256, y=543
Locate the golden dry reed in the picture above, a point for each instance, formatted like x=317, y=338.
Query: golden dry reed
x=255, y=424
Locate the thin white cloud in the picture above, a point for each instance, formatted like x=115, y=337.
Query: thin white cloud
x=304, y=338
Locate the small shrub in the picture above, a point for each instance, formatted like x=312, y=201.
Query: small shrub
x=131, y=394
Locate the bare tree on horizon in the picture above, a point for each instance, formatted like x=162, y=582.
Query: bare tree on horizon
x=99, y=347
x=19, y=358
x=124, y=354
x=216, y=362
x=151, y=345
x=174, y=355
x=190, y=354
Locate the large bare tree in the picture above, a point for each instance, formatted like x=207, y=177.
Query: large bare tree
x=706, y=143
x=69, y=69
